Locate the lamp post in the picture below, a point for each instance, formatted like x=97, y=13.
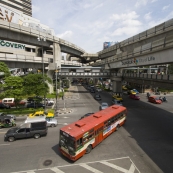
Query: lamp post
x=56, y=89
x=41, y=39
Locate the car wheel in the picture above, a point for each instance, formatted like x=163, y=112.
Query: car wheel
x=36, y=136
x=117, y=128
x=88, y=150
x=11, y=139
x=52, y=125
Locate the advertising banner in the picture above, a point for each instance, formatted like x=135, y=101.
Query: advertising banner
x=108, y=44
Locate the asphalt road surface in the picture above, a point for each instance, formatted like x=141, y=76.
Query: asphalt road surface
x=144, y=144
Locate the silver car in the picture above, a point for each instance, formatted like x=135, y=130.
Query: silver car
x=104, y=105
x=8, y=115
x=117, y=102
x=51, y=122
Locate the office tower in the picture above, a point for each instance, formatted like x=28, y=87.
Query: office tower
x=24, y=6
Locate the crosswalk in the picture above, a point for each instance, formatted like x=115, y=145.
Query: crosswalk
x=118, y=165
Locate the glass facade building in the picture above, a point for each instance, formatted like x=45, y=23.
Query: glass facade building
x=24, y=6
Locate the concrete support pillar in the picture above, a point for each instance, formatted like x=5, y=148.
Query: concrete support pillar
x=149, y=70
x=57, y=54
x=117, y=84
x=138, y=70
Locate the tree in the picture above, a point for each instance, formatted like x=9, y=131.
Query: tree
x=4, y=68
x=13, y=88
x=35, y=84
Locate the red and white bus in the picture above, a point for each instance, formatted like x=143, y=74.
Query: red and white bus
x=82, y=136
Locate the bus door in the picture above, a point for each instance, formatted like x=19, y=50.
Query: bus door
x=99, y=135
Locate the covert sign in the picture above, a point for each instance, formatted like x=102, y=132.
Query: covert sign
x=4, y=43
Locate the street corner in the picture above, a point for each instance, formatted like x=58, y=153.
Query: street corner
x=64, y=110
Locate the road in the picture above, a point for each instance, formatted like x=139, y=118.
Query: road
x=143, y=144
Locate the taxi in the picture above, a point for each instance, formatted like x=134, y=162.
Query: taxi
x=132, y=92
x=119, y=98
x=40, y=114
x=124, y=87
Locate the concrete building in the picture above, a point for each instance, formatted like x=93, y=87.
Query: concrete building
x=23, y=6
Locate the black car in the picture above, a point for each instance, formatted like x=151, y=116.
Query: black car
x=97, y=97
x=86, y=115
x=92, y=90
x=4, y=106
x=35, y=105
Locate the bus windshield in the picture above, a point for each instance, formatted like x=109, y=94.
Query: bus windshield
x=67, y=141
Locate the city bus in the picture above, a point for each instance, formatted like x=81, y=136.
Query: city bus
x=82, y=136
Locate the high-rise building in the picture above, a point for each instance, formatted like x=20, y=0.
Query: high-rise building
x=24, y=6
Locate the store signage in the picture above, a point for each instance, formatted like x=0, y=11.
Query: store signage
x=138, y=60
x=4, y=43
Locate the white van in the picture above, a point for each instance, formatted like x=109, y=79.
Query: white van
x=9, y=101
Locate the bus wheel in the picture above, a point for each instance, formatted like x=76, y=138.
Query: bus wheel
x=89, y=148
x=117, y=128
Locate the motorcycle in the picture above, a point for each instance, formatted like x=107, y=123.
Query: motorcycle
x=164, y=99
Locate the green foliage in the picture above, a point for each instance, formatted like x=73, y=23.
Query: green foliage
x=4, y=68
x=13, y=88
x=35, y=84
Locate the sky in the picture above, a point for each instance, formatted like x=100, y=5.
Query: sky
x=90, y=23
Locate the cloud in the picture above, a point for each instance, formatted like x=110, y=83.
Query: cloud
x=124, y=16
x=67, y=35
x=98, y=6
x=140, y=3
x=147, y=16
x=153, y=1
x=165, y=7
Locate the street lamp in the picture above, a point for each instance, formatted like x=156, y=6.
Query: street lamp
x=56, y=89
x=41, y=39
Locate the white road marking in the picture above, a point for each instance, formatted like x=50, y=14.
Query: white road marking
x=84, y=165
x=56, y=170
x=90, y=168
x=115, y=167
x=63, y=123
x=4, y=144
x=132, y=168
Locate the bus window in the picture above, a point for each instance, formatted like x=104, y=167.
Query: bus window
x=79, y=142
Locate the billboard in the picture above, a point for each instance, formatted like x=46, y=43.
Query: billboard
x=10, y=15
x=108, y=44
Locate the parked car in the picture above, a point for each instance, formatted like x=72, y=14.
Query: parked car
x=104, y=105
x=8, y=115
x=34, y=99
x=154, y=99
x=48, y=102
x=86, y=115
x=51, y=122
x=11, y=102
x=116, y=102
x=4, y=106
x=32, y=127
x=97, y=97
x=134, y=96
x=35, y=105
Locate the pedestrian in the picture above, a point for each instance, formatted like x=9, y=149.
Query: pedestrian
x=62, y=97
